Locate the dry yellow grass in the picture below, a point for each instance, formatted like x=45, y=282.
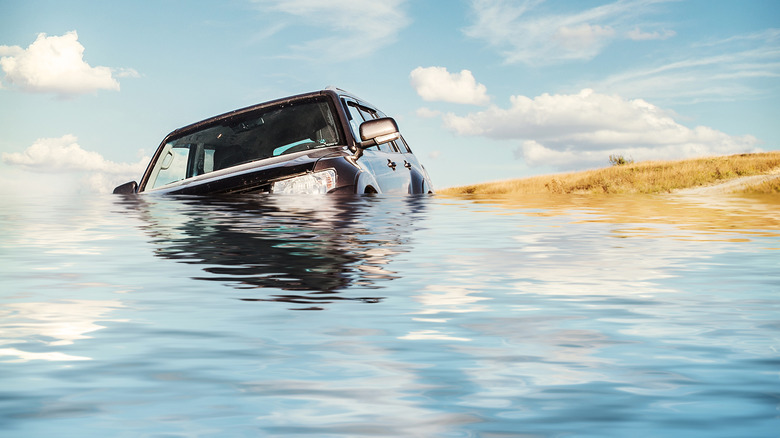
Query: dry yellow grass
x=647, y=177
x=766, y=187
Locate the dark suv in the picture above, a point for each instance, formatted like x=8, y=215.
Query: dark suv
x=327, y=141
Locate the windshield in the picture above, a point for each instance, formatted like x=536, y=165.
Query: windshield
x=266, y=133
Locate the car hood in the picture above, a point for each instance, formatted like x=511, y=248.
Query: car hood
x=253, y=177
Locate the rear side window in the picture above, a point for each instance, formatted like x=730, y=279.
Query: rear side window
x=403, y=146
x=367, y=113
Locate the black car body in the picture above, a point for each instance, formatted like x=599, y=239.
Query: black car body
x=326, y=141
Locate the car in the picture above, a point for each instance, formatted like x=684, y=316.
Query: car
x=327, y=141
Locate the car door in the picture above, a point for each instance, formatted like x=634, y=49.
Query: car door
x=384, y=161
x=418, y=176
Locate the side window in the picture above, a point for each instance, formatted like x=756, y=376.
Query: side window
x=208, y=160
x=391, y=147
x=355, y=119
x=171, y=166
x=387, y=147
x=359, y=114
x=367, y=113
x=403, y=146
x=181, y=161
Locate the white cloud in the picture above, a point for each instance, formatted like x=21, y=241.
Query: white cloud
x=724, y=70
x=583, y=129
x=762, y=37
x=427, y=113
x=64, y=156
x=126, y=73
x=523, y=31
x=437, y=84
x=637, y=35
x=584, y=38
x=55, y=65
x=349, y=28
x=11, y=50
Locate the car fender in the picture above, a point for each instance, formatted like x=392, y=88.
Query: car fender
x=364, y=181
x=417, y=183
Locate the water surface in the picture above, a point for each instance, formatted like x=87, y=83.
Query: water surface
x=390, y=316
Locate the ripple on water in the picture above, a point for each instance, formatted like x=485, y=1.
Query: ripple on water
x=390, y=316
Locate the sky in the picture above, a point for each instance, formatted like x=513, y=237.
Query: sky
x=482, y=90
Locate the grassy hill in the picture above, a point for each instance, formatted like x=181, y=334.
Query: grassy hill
x=647, y=177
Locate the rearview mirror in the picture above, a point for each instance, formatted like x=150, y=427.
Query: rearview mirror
x=128, y=188
x=378, y=131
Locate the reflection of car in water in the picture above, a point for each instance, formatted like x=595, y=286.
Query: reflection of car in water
x=322, y=142
x=301, y=250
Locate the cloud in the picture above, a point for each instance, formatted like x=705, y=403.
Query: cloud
x=581, y=130
x=126, y=73
x=637, y=35
x=437, y=84
x=64, y=156
x=523, y=31
x=723, y=70
x=427, y=113
x=11, y=50
x=583, y=37
x=56, y=65
x=349, y=28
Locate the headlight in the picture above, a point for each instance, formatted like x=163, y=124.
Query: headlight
x=311, y=183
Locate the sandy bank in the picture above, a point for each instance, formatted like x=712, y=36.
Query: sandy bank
x=730, y=186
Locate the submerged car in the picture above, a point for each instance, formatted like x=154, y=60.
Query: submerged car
x=326, y=141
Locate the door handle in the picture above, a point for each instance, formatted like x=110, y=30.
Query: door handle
x=391, y=164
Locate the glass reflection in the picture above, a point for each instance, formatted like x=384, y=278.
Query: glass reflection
x=312, y=247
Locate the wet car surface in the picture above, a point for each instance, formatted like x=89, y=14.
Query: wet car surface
x=326, y=141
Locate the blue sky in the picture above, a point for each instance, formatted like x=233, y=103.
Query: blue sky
x=482, y=90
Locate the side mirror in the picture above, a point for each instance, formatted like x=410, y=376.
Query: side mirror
x=128, y=188
x=378, y=131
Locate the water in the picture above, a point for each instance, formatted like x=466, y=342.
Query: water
x=383, y=316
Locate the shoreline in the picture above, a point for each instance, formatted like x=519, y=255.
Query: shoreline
x=730, y=186
x=745, y=173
